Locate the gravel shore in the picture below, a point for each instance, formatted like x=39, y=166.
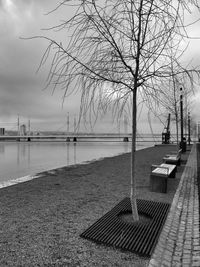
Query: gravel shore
x=41, y=220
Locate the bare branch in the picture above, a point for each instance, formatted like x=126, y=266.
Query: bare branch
x=117, y=49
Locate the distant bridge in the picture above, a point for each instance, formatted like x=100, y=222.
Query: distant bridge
x=67, y=137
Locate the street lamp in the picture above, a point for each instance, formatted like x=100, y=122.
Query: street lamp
x=183, y=141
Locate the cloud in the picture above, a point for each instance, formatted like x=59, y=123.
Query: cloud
x=20, y=88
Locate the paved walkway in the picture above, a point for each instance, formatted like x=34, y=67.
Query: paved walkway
x=179, y=241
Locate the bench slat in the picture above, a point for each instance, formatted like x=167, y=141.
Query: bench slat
x=164, y=169
x=160, y=171
x=171, y=158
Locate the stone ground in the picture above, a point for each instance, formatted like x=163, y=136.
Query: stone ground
x=41, y=220
x=179, y=242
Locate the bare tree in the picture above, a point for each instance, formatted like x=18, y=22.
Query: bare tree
x=118, y=52
x=169, y=95
x=169, y=99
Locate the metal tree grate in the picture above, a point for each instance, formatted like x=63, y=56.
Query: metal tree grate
x=139, y=237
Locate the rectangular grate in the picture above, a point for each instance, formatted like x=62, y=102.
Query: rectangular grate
x=139, y=237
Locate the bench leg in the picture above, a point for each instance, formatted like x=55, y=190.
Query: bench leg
x=173, y=162
x=173, y=173
x=158, y=183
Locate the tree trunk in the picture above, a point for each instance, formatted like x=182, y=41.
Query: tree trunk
x=133, y=178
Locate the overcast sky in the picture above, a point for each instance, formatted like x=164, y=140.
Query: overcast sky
x=21, y=89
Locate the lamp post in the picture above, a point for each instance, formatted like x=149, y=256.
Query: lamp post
x=68, y=138
x=18, y=129
x=189, y=128
x=182, y=143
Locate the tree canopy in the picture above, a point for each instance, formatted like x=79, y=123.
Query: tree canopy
x=116, y=46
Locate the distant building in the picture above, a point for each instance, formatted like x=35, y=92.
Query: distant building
x=2, y=131
x=22, y=129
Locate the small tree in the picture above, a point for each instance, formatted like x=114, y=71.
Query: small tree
x=169, y=101
x=118, y=50
x=168, y=96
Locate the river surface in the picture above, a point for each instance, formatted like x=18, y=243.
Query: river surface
x=19, y=159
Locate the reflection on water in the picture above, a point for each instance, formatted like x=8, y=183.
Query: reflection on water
x=74, y=153
x=2, y=148
x=23, y=153
x=23, y=158
x=68, y=154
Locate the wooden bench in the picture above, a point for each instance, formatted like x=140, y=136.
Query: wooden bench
x=159, y=175
x=173, y=158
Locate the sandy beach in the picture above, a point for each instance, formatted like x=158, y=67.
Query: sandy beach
x=41, y=220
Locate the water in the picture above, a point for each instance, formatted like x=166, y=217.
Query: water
x=19, y=159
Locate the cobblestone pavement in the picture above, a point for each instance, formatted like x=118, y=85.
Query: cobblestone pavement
x=179, y=243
